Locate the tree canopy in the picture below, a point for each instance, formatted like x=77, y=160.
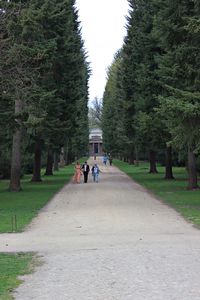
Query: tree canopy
x=154, y=86
x=44, y=80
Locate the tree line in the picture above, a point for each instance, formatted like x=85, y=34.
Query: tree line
x=151, y=103
x=43, y=87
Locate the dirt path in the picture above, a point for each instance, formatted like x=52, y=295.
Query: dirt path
x=109, y=240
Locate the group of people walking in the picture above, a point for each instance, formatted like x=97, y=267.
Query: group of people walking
x=85, y=169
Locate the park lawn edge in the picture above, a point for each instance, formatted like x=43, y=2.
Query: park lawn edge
x=27, y=204
x=26, y=262
x=173, y=193
x=12, y=267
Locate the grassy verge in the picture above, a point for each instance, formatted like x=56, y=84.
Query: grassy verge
x=173, y=192
x=26, y=204
x=11, y=266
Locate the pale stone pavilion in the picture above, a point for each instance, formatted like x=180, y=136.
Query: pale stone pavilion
x=95, y=142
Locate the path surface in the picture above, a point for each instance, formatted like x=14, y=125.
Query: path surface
x=109, y=241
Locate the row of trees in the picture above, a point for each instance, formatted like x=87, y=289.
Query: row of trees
x=44, y=86
x=152, y=96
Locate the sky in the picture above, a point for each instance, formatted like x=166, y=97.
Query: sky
x=103, y=29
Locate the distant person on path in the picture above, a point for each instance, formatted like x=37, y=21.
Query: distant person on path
x=105, y=158
x=110, y=159
x=78, y=173
x=86, y=170
x=95, y=173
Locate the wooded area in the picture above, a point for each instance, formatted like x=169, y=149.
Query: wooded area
x=151, y=103
x=43, y=87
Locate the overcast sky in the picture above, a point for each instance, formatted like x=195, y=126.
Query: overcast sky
x=103, y=29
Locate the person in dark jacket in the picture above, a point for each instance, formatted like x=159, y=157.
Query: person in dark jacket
x=86, y=170
x=110, y=159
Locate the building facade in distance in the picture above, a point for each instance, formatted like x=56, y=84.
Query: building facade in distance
x=95, y=142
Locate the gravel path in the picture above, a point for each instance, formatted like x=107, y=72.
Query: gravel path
x=109, y=241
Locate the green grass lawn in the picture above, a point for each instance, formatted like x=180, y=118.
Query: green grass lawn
x=11, y=266
x=173, y=192
x=26, y=204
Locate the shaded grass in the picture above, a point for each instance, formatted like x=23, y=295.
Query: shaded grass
x=11, y=266
x=173, y=192
x=26, y=204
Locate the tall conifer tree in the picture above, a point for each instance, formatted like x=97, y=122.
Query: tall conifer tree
x=180, y=75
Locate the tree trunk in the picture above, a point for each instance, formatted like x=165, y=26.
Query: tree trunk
x=37, y=163
x=152, y=160
x=63, y=159
x=15, y=185
x=55, y=165
x=168, y=168
x=131, y=158
x=136, y=157
x=126, y=159
x=192, y=171
x=49, y=166
x=66, y=155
